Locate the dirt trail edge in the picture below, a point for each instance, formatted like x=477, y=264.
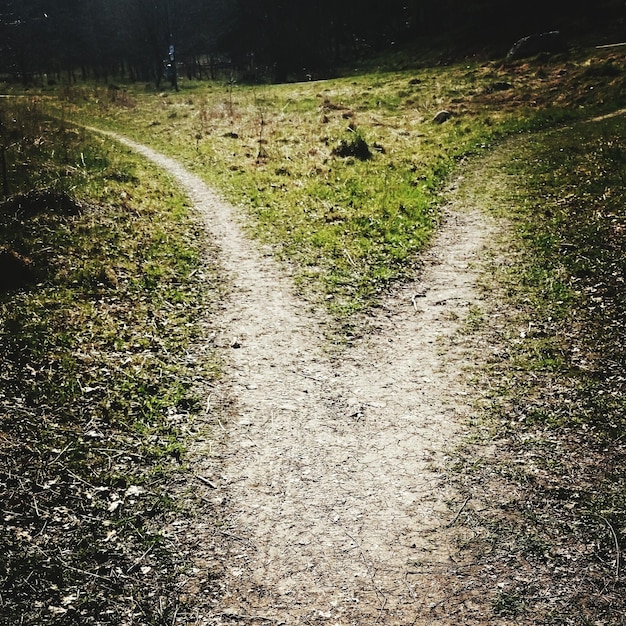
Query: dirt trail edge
x=330, y=475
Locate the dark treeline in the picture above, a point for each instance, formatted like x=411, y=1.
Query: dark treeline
x=275, y=39
x=103, y=39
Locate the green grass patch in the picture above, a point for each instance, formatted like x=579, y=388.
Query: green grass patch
x=344, y=177
x=573, y=225
x=553, y=495
x=100, y=302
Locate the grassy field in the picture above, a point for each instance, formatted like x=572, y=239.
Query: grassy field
x=99, y=383
x=345, y=179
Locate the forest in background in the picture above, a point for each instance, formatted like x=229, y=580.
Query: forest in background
x=275, y=40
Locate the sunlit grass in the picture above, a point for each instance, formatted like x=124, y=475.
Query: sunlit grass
x=351, y=224
x=99, y=382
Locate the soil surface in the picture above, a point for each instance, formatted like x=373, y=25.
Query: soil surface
x=330, y=473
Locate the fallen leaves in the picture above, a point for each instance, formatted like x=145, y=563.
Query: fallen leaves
x=553, y=495
x=95, y=360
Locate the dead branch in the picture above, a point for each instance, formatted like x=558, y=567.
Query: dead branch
x=260, y=618
x=206, y=481
x=456, y=517
x=618, y=554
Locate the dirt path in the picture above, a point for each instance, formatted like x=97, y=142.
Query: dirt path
x=331, y=472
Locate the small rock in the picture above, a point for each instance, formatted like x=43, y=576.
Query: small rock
x=442, y=116
x=535, y=44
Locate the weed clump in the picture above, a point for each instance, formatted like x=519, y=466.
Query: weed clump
x=356, y=147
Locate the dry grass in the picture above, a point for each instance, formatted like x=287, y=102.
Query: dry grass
x=352, y=225
x=99, y=384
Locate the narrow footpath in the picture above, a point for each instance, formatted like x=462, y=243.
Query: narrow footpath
x=331, y=475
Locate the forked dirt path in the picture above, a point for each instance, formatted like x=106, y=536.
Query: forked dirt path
x=330, y=475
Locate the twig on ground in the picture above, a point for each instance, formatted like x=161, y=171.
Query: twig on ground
x=380, y=612
x=417, y=295
x=260, y=618
x=78, y=478
x=456, y=517
x=350, y=259
x=60, y=454
x=449, y=597
x=206, y=481
x=174, y=616
x=223, y=532
x=618, y=554
x=406, y=582
x=66, y=565
x=137, y=561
